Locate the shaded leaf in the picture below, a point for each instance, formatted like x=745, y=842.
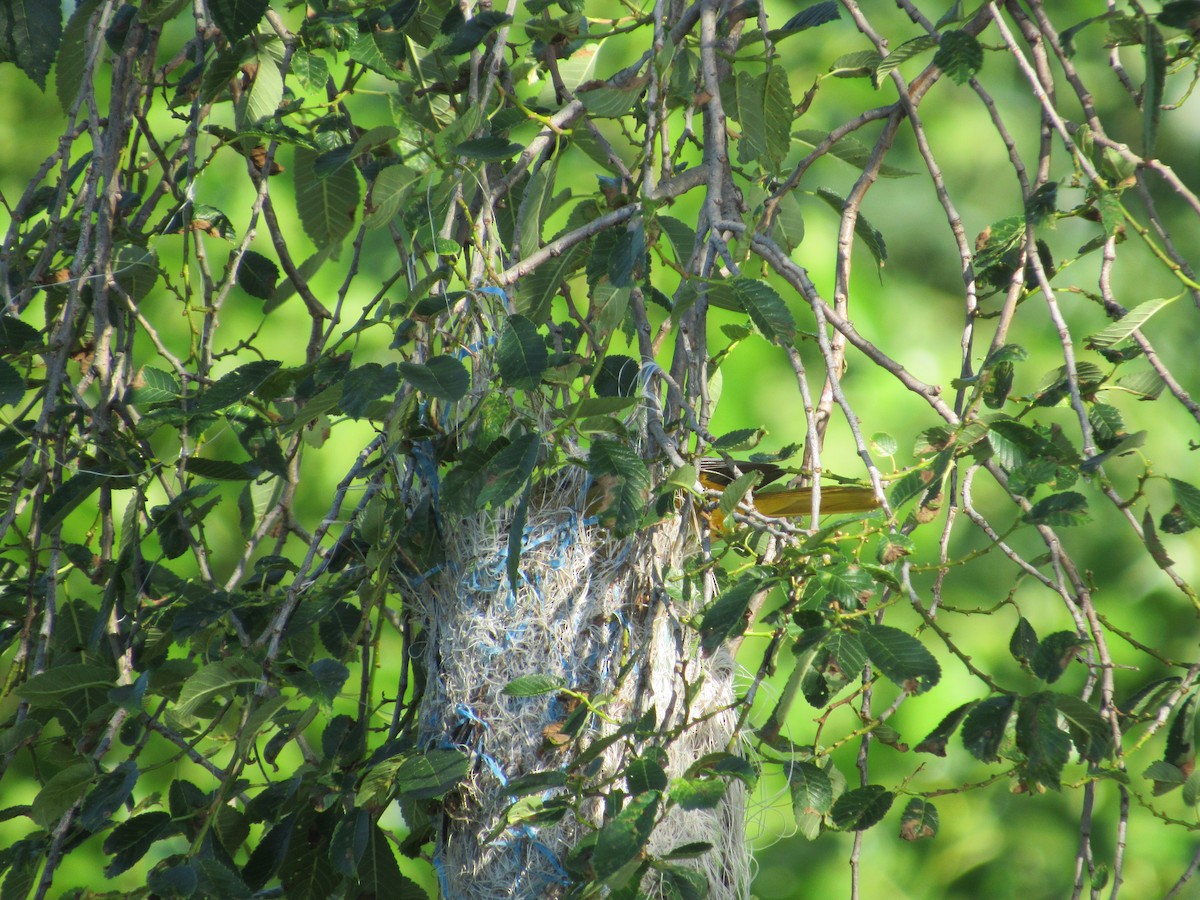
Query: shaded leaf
x=1124, y=327
x=901, y=657
x=919, y=820
x=1067, y=508
x=985, y=727
x=237, y=18
x=1045, y=745
x=859, y=809
x=959, y=55
x=522, y=357
x=726, y=616
x=443, y=377
x=326, y=205
x=935, y=742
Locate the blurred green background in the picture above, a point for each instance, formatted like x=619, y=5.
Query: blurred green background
x=992, y=843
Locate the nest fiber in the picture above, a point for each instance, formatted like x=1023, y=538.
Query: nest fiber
x=591, y=612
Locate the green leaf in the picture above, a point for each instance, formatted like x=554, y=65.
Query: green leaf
x=1124, y=327
x=17, y=336
x=726, y=616
x=129, y=841
x=538, y=289
x=735, y=492
x=903, y=53
x=492, y=148
x=621, y=841
x=68, y=67
x=535, y=205
x=859, y=809
x=258, y=105
x=509, y=470
x=533, y=686
x=12, y=385
x=1181, y=736
x=135, y=269
x=812, y=16
x=605, y=102
x=845, y=583
x=471, y=33
x=698, y=793
x=216, y=681
x=985, y=727
x=1045, y=745
x=327, y=205
x=867, y=233
x=237, y=18
x=391, y=187
x=223, y=469
x=622, y=482
x=424, y=776
x=1152, y=90
x=1023, y=645
x=935, y=742
x=847, y=650
x=257, y=275
x=1090, y=732
x=811, y=789
x=1187, y=498
x=235, y=387
x=646, y=773
x=766, y=309
x=60, y=793
x=1067, y=508
x=30, y=31
x=443, y=377
x=959, y=55
x=901, y=657
x=522, y=357
x=919, y=820
x=852, y=151
x=67, y=497
x=1054, y=654
x=764, y=105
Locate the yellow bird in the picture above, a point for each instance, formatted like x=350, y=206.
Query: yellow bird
x=715, y=475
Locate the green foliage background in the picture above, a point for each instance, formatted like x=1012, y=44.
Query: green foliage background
x=992, y=843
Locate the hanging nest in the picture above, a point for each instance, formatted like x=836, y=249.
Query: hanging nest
x=591, y=613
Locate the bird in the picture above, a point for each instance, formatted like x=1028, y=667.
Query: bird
x=717, y=474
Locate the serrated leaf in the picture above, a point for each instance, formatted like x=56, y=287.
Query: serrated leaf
x=387, y=194
x=985, y=727
x=235, y=386
x=1127, y=324
x=698, y=793
x=919, y=820
x=60, y=793
x=1045, y=745
x=327, y=205
x=959, y=55
x=533, y=686
x=766, y=309
x=509, y=470
x=30, y=32
x=764, y=107
x=223, y=469
x=812, y=16
x=1067, y=508
x=68, y=69
x=67, y=497
x=129, y=841
x=621, y=482
x=535, y=203
x=901, y=657
x=621, y=840
x=443, y=377
x=867, y=233
x=470, y=34
x=257, y=275
x=1181, y=736
x=735, y=492
x=904, y=52
x=538, y=289
x=1152, y=90
x=726, y=616
x=237, y=18
x=1054, y=654
x=1023, y=645
x=811, y=789
x=935, y=742
x=522, y=357
x=851, y=151
x=859, y=809
x=216, y=681
x=1090, y=732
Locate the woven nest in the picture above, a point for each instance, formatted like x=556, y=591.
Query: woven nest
x=591, y=612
